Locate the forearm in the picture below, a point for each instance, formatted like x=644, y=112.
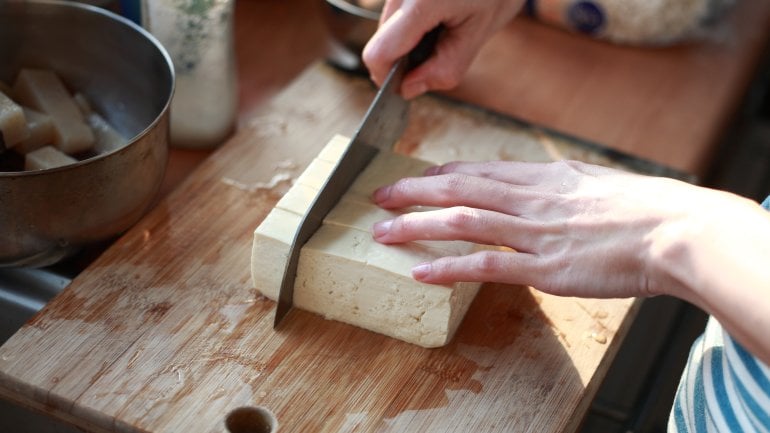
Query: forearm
x=720, y=261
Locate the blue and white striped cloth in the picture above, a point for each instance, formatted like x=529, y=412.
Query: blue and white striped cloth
x=723, y=388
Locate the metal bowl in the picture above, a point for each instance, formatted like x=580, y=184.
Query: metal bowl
x=128, y=77
x=351, y=24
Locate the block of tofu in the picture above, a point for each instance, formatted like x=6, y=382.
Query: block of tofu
x=13, y=124
x=83, y=104
x=361, y=215
x=316, y=173
x=42, y=90
x=41, y=132
x=333, y=150
x=386, y=169
x=47, y=157
x=106, y=138
x=345, y=275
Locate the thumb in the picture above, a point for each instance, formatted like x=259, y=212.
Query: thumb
x=388, y=9
x=395, y=38
x=444, y=70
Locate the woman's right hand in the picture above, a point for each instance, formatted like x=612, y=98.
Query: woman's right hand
x=468, y=24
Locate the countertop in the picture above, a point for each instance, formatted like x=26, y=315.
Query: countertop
x=670, y=105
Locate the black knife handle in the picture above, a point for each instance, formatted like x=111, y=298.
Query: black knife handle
x=424, y=48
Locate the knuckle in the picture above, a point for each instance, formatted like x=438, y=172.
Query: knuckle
x=447, y=78
x=489, y=263
x=552, y=264
x=441, y=267
x=401, y=187
x=561, y=165
x=461, y=218
x=369, y=55
x=403, y=224
x=489, y=168
x=449, y=167
x=540, y=273
x=455, y=183
x=574, y=166
x=417, y=9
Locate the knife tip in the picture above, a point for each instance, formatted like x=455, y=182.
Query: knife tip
x=280, y=313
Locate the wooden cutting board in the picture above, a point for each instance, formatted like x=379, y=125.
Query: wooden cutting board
x=165, y=332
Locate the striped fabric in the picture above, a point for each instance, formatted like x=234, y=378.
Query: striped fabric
x=723, y=387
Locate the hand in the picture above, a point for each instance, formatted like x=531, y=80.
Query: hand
x=582, y=230
x=468, y=23
x=577, y=229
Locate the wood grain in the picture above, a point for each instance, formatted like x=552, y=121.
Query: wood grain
x=164, y=332
x=671, y=105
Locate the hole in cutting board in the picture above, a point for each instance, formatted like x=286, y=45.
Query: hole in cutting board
x=251, y=419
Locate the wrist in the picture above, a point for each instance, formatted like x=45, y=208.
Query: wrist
x=704, y=253
x=668, y=268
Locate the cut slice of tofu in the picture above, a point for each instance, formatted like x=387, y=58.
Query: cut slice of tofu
x=333, y=150
x=83, y=104
x=13, y=124
x=42, y=90
x=106, y=138
x=316, y=173
x=41, y=131
x=386, y=169
x=361, y=215
x=345, y=275
x=47, y=157
x=298, y=198
x=270, y=250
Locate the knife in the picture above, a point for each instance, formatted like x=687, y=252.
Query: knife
x=383, y=124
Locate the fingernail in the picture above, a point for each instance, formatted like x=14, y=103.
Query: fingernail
x=381, y=194
x=414, y=89
x=381, y=228
x=421, y=271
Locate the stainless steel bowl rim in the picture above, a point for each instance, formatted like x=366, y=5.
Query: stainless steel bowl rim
x=355, y=10
x=145, y=131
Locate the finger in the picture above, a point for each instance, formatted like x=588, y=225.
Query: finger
x=554, y=177
x=395, y=38
x=445, y=69
x=507, y=267
x=513, y=172
x=462, y=223
x=389, y=8
x=456, y=189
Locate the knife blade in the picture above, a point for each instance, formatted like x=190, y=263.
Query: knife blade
x=383, y=124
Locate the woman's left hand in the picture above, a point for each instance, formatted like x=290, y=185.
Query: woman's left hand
x=572, y=228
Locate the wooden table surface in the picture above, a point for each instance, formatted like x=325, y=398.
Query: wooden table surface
x=670, y=105
x=667, y=105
